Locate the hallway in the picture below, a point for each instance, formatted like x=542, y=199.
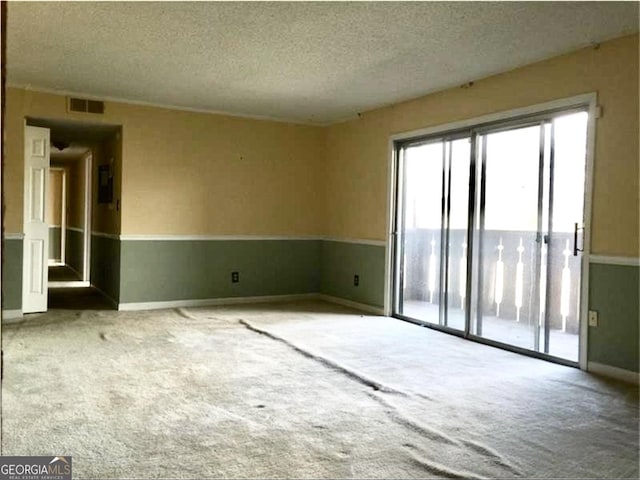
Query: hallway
x=73, y=297
x=63, y=274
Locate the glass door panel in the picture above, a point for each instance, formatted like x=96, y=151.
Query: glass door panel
x=568, y=140
x=508, y=294
x=420, y=233
x=457, y=220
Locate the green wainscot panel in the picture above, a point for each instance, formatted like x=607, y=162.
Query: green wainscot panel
x=341, y=261
x=55, y=242
x=105, y=265
x=167, y=270
x=614, y=294
x=12, y=275
x=74, y=250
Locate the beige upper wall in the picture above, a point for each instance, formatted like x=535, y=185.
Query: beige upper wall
x=190, y=173
x=210, y=174
x=356, y=174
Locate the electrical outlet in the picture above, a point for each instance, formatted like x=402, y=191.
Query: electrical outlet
x=235, y=277
x=593, y=318
x=356, y=280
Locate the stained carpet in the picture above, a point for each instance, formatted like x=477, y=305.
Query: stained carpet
x=300, y=390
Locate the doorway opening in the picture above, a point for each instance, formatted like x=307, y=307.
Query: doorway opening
x=74, y=150
x=490, y=223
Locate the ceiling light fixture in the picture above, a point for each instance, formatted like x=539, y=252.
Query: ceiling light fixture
x=60, y=145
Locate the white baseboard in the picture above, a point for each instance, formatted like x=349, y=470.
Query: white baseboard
x=17, y=314
x=614, y=372
x=69, y=284
x=349, y=303
x=11, y=316
x=206, y=302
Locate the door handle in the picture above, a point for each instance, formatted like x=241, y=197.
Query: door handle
x=575, y=240
x=540, y=238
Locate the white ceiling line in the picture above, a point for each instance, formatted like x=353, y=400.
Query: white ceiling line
x=126, y=101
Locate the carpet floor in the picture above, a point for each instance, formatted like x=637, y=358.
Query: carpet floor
x=301, y=390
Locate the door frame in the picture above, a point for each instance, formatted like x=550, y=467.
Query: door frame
x=588, y=100
x=63, y=217
x=88, y=182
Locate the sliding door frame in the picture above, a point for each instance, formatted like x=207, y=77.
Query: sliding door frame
x=506, y=119
x=398, y=229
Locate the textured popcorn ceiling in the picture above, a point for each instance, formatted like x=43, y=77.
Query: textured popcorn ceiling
x=307, y=62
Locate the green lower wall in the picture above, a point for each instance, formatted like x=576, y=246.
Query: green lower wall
x=12, y=274
x=74, y=247
x=55, y=238
x=614, y=294
x=154, y=271
x=105, y=265
x=168, y=270
x=342, y=260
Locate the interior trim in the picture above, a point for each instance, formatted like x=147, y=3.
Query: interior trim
x=245, y=300
x=113, y=236
x=178, y=237
x=349, y=303
x=214, y=301
x=614, y=372
x=559, y=104
x=187, y=237
x=11, y=316
x=68, y=284
x=167, y=106
x=615, y=260
x=13, y=236
x=359, y=241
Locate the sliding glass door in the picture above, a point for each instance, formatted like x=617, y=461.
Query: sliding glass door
x=509, y=235
x=421, y=231
x=562, y=255
x=520, y=188
x=432, y=226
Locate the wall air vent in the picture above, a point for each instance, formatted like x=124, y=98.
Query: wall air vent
x=85, y=106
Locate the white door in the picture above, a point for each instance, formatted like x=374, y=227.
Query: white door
x=36, y=230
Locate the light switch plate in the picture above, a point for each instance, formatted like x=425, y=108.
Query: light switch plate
x=593, y=318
